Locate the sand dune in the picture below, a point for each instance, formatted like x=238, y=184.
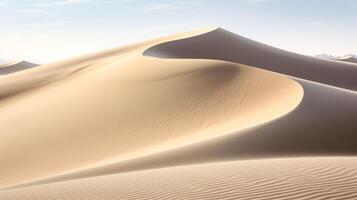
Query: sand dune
x=8, y=68
x=299, y=178
x=295, y=134
x=186, y=99
x=170, y=102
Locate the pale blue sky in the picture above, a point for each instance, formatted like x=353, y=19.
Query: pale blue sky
x=49, y=30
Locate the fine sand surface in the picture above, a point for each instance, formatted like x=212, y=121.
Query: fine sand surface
x=299, y=178
x=8, y=68
x=81, y=128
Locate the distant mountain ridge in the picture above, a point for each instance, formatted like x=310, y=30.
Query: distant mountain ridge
x=352, y=58
x=349, y=58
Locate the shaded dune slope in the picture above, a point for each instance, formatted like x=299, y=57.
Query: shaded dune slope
x=302, y=178
x=224, y=45
x=118, y=105
x=15, y=67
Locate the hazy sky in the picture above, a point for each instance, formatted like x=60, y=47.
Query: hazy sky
x=48, y=30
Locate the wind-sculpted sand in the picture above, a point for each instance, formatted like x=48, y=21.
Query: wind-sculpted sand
x=298, y=178
x=83, y=127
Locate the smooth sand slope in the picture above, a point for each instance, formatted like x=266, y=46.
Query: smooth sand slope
x=140, y=107
x=8, y=68
x=119, y=105
x=309, y=130
x=299, y=178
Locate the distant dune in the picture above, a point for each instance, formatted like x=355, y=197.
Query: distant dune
x=204, y=115
x=8, y=68
x=348, y=58
x=351, y=59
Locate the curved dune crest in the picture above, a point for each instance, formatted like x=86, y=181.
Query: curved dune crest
x=299, y=178
x=220, y=44
x=119, y=104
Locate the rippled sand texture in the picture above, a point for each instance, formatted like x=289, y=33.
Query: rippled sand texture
x=299, y=178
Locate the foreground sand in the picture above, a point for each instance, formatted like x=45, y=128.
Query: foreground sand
x=299, y=178
x=191, y=98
